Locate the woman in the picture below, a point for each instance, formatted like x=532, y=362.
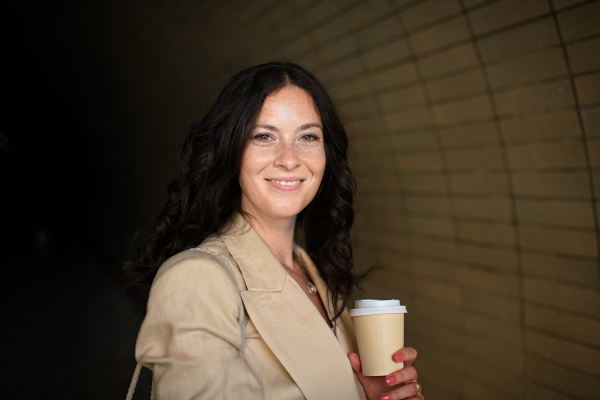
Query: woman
x=236, y=308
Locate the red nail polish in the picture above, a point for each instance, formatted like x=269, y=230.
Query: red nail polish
x=390, y=380
x=385, y=397
x=397, y=356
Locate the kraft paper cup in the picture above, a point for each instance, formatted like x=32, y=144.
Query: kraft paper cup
x=379, y=326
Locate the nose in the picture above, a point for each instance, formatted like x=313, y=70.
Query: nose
x=288, y=157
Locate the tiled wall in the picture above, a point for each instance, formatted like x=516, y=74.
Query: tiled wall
x=476, y=144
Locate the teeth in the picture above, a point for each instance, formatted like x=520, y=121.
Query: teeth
x=292, y=183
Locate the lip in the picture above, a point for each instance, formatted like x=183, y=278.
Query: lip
x=286, y=184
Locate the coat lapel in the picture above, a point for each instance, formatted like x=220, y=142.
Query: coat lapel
x=287, y=320
x=344, y=326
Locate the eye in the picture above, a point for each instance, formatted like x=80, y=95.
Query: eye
x=262, y=137
x=309, y=137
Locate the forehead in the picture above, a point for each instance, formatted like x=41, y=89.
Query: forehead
x=288, y=102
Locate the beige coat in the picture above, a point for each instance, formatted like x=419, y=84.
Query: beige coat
x=193, y=340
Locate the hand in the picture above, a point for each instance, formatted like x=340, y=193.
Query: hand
x=398, y=385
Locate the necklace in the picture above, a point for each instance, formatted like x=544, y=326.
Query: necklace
x=312, y=289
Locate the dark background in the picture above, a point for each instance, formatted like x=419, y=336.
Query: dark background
x=66, y=218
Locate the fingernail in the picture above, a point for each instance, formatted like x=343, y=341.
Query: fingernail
x=397, y=356
x=390, y=380
x=385, y=397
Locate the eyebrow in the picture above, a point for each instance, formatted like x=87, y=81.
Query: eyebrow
x=306, y=126
x=269, y=127
x=303, y=127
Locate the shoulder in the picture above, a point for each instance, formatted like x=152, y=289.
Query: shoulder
x=196, y=257
x=197, y=271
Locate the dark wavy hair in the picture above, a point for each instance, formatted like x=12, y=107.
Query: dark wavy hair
x=206, y=191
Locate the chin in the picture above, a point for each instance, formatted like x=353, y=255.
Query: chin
x=287, y=211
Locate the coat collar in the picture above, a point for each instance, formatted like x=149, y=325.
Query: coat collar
x=261, y=270
x=287, y=320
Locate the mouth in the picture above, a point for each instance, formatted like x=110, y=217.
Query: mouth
x=286, y=184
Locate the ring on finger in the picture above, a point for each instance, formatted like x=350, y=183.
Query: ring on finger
x=418, y=386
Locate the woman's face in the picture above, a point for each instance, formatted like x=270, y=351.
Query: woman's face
x=284, y=160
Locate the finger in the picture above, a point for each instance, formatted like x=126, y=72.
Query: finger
x=408, y=391
x=357, y=368
x=406, y=374
x=355, y=362
x=406, y=355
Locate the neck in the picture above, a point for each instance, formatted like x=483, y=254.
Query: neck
x=278, y=235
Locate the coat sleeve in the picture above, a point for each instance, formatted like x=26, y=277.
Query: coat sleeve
x=192, y=334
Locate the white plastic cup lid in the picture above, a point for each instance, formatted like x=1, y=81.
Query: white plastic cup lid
x=372, y=307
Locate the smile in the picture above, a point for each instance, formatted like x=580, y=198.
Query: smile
x=290, y=183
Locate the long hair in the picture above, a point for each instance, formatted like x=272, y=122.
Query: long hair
x=206, y=191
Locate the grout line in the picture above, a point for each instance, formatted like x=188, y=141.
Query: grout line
x=511, y=195
x=427, y=53
x=504, y=298
x=584, y=138
x=380, y=113
x=373, y=247
x=428, y=103
x=558, y=389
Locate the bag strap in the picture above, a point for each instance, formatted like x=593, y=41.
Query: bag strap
x=134, y=381
x=241, y=286
x=239, y=283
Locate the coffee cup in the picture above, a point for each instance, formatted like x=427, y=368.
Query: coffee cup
x=379, y=326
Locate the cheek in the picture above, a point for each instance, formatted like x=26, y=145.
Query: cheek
x=248, y=186
x=245, y=175
x=255, y=158
x=319, y=163
x=319, y=173
x=254, y=161
x=248, y=164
